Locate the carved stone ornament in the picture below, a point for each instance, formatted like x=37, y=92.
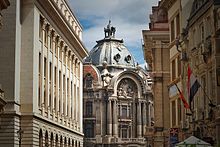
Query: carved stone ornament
x=126, y=88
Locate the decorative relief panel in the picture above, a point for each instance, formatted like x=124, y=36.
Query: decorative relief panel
x=127, y=88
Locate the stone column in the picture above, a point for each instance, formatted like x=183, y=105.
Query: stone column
x=98, y=114
x=144, y=118
x=115, y=119
x=139, y=124
x=109, y=118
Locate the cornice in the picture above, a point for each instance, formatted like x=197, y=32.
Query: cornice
x=50, y=8
x=167, y=3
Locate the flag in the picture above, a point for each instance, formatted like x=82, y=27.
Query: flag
x=186, y=105
x=192, y=85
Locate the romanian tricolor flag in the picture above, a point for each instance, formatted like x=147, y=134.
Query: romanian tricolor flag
x=192, y=85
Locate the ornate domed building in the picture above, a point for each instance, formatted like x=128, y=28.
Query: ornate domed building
x=118, y=105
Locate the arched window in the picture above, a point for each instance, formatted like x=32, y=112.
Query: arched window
x=56, y=141
x=65, y=142
x=40, y=138
x=61, y=140
x=51, y=140
x=46, y=139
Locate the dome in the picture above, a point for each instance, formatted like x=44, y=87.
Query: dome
x=110, y=50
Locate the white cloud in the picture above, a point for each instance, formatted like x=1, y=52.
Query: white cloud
x=129, y=17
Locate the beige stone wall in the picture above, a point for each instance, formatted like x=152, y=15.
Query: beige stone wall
x=29, y=110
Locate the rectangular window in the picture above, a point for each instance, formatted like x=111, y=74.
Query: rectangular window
x=59, y=90
x=172, y=31
x=39, y=80
x=46, y=37
x=41, y=28
x=179, y=65
x=45, y=67
x=173, y=113
x=64, y=93
x=89, y=130
x=51, y=41
x=177, y=25
x=124, y=112
x=124, y=132
x=173, y=69
x=55, y=76
x=203, y=80
x=61, y=54
x=50, y=74
x=179, y=110
x=88, y=109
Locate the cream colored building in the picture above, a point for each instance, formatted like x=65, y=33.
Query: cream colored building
x=194, y=41
x=41, y=54
x=156, y=53
x=178, y=12
x=202, y=47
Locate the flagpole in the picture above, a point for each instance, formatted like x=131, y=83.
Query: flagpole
x=210, y=101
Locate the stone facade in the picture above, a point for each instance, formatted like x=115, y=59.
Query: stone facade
x=201, y=42
x=118, y=102
x=194, y=40
x=156, y=53
x=41, y=74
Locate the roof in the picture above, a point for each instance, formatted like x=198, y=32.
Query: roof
x=110, y=50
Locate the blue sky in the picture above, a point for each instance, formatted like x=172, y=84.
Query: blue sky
x=129, y=17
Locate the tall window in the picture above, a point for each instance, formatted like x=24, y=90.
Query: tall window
x=40, y=139
x=68, y=96
x=172, y=30
x=60, y=90
x=51, y=40
x=46, y=36
x=89, y=130
x=203, y=80
x=173, y=113
x=179, y=65
x=88, y=109
x=179, y=110
x=124, y=112
x=124, y=133
x=45, y=74
x=41, y=28
x=39, y=79
x=64, y=92
x=56, y=46
x=177, y=25
x=173, y=69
